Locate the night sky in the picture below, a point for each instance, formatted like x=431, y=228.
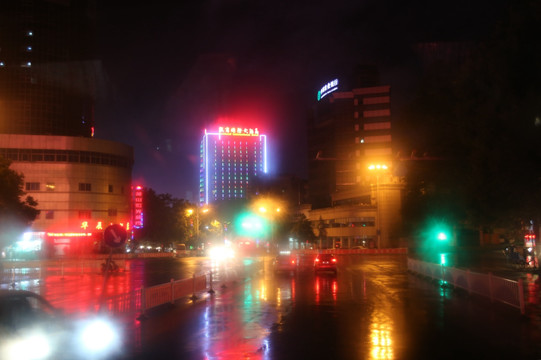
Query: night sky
x=176, y=68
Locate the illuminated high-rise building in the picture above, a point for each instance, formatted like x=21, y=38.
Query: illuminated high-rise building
x=231, y=158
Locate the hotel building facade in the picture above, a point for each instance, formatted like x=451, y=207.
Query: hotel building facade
x=231, y=158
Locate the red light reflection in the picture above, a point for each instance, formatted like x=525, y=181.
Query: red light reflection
x=325, y=288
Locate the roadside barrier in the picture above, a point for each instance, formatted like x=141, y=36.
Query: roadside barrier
x=353, y=251
x=170, y=292
x=144, y=299
x=17, y=271
x=137, y=301
x=495, y=288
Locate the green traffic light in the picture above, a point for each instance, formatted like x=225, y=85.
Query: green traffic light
x=442, y=236
x=249, y=224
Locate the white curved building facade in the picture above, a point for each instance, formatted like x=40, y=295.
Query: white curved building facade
x=82, y=185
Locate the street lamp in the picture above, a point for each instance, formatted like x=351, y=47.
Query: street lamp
x=272, y=217
x=270, y=209
x=198, y=210
x=378, y=168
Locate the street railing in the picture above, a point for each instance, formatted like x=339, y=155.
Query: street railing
x=133, y=302
x=340, y=251
x=495, y=288
x=17, y=271
x=144, y=299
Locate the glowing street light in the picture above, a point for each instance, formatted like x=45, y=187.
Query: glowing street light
x=378, y=168
x=197, y=211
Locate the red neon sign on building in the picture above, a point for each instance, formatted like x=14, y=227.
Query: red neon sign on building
x=137, y=207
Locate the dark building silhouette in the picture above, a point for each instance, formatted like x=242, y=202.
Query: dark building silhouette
x=49, y=76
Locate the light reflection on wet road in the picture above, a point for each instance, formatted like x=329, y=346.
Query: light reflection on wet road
x=373, y=309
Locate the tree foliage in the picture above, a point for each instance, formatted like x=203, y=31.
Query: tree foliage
x=301, y=229
x=483, y=119
x=17, y=211
x=164, y=218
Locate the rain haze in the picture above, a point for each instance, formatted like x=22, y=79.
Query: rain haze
x=177, y=68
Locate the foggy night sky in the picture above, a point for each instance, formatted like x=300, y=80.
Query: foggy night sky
x=176, y=68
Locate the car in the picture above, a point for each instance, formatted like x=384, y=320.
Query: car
x=325, y=262
x=32, y=328
x=285, y=263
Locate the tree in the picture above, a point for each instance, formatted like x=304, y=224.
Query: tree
x=17, y=211
x=301, y=229
x=164, y=218
x=483, y=118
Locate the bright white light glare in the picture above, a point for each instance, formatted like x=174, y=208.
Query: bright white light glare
x=98, y=335
x=34, y=346
x=221, y=253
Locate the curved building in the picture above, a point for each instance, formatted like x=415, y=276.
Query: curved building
x=81, y=185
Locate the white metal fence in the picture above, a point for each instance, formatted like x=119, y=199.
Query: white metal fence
x=15, y=272
x=495, y=288
x=144, y=299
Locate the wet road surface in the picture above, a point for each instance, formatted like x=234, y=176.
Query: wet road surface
x=373, y=309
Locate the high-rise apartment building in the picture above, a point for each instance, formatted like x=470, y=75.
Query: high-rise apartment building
x=349, y=130
x=49, y=80
x=231, y=158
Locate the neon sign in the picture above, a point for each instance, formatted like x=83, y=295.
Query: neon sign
x=68, y=234
x=137, y=207
x=327, y=89
x=226, y=130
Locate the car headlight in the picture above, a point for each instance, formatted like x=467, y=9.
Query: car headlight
x=221, y=253
x=98, y=336
x=33, y=345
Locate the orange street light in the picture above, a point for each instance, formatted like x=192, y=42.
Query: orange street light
x=378, y=168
